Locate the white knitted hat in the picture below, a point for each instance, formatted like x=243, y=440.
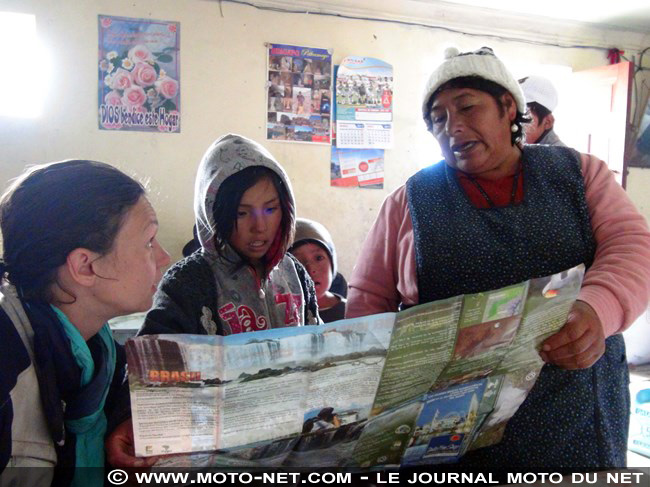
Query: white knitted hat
x=481, y=63
x=540, y=90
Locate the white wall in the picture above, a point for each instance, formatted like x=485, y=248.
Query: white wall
x=222, y=88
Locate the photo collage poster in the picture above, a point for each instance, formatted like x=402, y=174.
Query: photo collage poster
x=139, y=78
x=299, y=94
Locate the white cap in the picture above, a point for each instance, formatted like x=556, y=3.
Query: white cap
x=540, y=90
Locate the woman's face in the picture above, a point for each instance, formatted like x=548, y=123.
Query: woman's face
x=317, y=262
x=258, y=219
x=130, y=272
x=472, y=130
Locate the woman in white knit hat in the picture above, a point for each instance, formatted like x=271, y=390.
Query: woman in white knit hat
x=495, y=213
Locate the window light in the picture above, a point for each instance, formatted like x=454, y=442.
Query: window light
x=24, y=71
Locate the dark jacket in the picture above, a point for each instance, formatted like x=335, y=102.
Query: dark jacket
x=186, y=301
x=39, y=377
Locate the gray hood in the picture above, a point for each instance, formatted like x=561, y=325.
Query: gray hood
x=226, y=156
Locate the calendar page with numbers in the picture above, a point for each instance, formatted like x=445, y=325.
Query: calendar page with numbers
x=364, y=103
x=367, y=135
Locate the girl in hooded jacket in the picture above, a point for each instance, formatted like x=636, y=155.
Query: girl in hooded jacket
x=241, y=279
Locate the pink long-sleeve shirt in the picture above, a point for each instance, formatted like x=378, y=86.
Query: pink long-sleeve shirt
x=616, y=286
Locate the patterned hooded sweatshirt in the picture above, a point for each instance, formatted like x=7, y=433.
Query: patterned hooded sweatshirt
x=215, y=291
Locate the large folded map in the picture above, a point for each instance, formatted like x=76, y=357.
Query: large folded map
x=420, y=386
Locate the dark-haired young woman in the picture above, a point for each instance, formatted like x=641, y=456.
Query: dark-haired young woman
x=80, y=248
x=242, y=278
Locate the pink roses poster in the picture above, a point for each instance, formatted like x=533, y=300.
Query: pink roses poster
x=139, y=84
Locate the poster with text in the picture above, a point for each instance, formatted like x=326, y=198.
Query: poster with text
x=299, y=94
x=354, y=168
x=364, y=103
x=139, y=83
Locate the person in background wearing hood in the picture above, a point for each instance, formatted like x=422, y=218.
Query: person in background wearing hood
x=541, y=99
x=314, y=248
x=79, y=248
x=495, y=213
x=242, y=279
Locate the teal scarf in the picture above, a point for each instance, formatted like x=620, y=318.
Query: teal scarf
x=90, y=427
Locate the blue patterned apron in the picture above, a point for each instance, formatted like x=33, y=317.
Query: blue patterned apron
x=571, y=419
